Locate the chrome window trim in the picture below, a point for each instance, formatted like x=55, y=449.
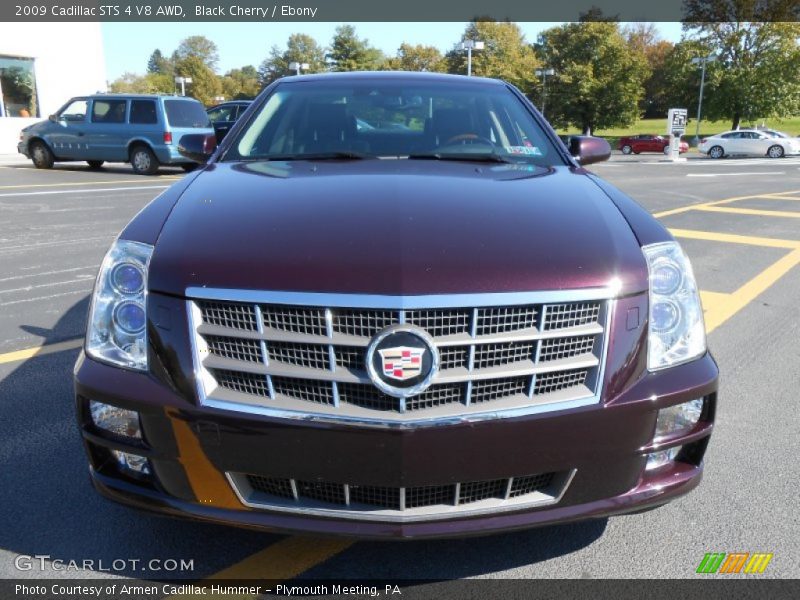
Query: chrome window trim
x=204, y=380
x=433, y=513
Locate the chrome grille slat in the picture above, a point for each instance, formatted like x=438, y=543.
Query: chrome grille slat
x=390, y=503
x=508, y=356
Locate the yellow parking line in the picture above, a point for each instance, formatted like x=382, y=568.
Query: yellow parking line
x=723, y=309
x=780, y=196
x=750, y=211
x=18, y=355
x=283, y=560
x=74, y=183
x=732, y=238
x=701, y=205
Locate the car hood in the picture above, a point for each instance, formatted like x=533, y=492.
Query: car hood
x=394, y=227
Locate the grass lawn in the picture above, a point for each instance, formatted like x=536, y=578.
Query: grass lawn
x=659, y=127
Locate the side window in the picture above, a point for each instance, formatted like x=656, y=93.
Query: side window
x=143, y=112
x=108, y=111
x=223, y=113
x=75, y=111
x=731, y=136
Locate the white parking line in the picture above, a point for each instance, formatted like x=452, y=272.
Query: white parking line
x=735, y=174
x=37, y=274
x=83, y=191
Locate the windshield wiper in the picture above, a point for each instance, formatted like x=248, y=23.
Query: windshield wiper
x=477, y=157
x=318, y=156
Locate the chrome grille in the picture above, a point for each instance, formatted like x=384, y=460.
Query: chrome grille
x=373, y=502
x=522, y=356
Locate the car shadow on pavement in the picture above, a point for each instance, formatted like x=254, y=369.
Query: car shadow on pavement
x=111, y=169
x=48, y=504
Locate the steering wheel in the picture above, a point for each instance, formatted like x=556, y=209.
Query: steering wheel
x=471, y=138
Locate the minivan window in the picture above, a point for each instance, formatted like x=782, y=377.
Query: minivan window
x=223, y=113
x=75, y=111
x=143, y=112
x=108, y=111
x=182, y=113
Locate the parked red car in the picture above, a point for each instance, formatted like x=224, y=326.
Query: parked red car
x=647, y=143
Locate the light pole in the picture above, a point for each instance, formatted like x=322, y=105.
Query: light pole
x=701, y=60
x=543, y=73
x=297, y=66
x=469, y=46
x=183, y=81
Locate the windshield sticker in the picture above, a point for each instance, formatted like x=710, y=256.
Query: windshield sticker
x=524, y=150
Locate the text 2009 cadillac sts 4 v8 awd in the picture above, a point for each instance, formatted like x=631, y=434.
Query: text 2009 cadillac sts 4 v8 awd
x=395, y=305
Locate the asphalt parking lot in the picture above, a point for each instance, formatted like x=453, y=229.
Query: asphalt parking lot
x=738, y=219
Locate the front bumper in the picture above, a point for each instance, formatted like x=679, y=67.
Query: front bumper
x=22, y=148
x=192, y=448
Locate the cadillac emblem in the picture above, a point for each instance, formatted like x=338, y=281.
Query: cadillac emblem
x=402, y=360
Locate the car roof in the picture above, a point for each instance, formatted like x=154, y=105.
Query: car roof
x=141, y=96
x=410, y=76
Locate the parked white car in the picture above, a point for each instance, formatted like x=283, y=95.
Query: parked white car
x=749, y=142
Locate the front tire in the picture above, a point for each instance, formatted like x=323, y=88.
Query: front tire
x=143, y=161
x=716, y=152
x=95, y=164
x=626, y=149
x=775, y=151
x=41, y=156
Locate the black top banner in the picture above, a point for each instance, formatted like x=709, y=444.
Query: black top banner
x=407, y=10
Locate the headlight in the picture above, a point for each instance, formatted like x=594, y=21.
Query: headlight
x=117, y=331
x=677, y=333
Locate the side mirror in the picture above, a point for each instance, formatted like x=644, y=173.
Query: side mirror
x=52, y=119
x=197, y=146
x=588, y=149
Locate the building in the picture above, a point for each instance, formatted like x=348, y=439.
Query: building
x=42, y=65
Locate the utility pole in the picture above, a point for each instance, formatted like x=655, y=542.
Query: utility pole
x=297, y=67
x=183, y=81
x=543, y=73
x=469, y=46
x=701, y=60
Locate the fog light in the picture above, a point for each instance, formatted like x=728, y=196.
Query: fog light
x=659, y=459
x=132, y=462
x=678, y=418
x=113, y=419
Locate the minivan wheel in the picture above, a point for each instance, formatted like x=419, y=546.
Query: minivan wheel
x=143, y=161
x=41, y=156
x=775, y=151
x=626, y=149
x=95, y=164
x=716, y=152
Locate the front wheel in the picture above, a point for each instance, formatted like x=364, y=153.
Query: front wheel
x=41, y=156
x=716, y=152
x=95, y=164
x=626, y=149
x=143, y=161
x=775, y=151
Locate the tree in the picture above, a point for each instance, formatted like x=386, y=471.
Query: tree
x=598, y=81
x=150, y=83
x=643, y=39
x=241, y=84
x=416, y=58
x=755, y=74
x=300, y=48
x=205, y=85
x=506, y=54
x=200, y=47
x=158, y=63
x=350, y=53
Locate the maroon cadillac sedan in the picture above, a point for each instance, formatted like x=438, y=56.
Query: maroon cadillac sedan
x=394, y=305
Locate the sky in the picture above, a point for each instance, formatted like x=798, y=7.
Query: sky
x=129, y=45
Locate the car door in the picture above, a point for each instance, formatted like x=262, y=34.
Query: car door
x=107, y=132
x=222, y=118
x=67, y=136
x=733, y=143
x=760, y=142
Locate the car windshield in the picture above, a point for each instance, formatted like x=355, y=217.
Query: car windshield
x=186, y=113
x=430, y=120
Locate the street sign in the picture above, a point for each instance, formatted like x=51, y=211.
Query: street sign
x=676, y=127
x=676, y=121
